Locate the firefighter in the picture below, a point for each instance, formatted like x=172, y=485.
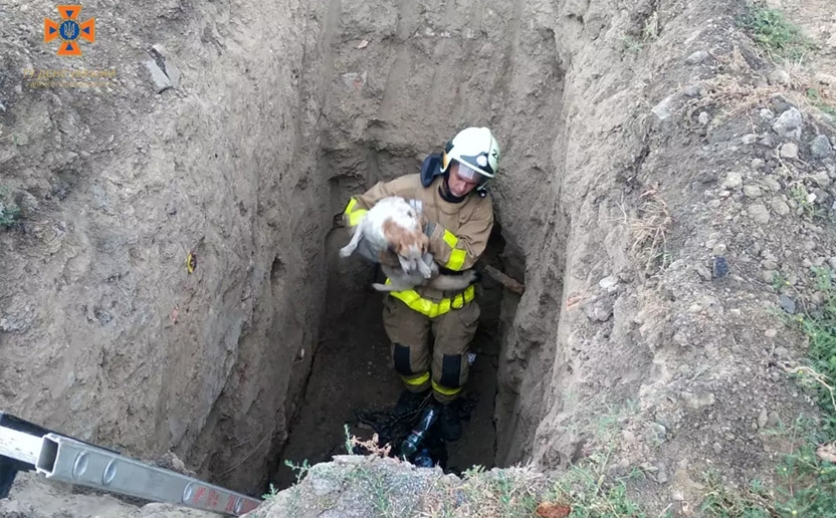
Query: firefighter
x=451, y=192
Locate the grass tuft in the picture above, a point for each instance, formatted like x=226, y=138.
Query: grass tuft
x=781, y=39
x=8, y=210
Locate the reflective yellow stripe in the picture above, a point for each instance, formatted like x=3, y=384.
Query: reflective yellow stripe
x=446, y=391
x=457, y=256
x=420, y=380
x=354, y=216
x=450, y=238
x=430, y=308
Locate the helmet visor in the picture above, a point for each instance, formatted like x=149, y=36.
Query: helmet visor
x=469, y=174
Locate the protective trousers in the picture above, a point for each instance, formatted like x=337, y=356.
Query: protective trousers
x=409, y=333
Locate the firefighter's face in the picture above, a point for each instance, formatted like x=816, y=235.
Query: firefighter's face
x=460, y=184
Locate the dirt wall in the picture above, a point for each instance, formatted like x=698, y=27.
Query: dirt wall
x=105, y=335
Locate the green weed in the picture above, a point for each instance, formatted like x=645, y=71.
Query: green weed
x=779, y=37
x=8, y=210
x=592, y=493
x=805, y=485
x=819, y=326
x=816, y=100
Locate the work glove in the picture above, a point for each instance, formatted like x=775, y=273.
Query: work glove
x=366, y=251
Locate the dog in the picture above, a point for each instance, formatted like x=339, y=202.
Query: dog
x=395, y=226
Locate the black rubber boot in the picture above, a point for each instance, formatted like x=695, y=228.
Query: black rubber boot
x=409, y=403
x=451, y=426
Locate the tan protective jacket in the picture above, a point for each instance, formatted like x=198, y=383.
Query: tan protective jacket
x=462, y=229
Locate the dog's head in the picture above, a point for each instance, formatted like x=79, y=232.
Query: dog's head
x=409, y=244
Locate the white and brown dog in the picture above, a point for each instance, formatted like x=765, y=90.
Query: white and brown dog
x=393, y=225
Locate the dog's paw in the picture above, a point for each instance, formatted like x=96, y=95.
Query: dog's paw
x=346, y=251
x=381, y=287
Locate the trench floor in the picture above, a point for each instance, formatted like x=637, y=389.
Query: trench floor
x=351, y=371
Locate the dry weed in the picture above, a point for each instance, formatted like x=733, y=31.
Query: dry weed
x=372, y=446
x=730, y=96
x=510, y=492
x=649, y=229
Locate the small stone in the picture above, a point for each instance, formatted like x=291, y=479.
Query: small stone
x=703, y=272
x=729, y=437
x=780, y=207
x=752, y=191
x=821, y=178
x=161, y=81
x=832, y=263
x=762, y=418
x=787, y=304
x=704, y=118
x=772, y=184
x=774, y=4
x=789, y=150
x=693, y=91
x=664, y=109
x=831, y=42
x=655, y=433
x=789, y=124
x=173, y=73
x=768, y=264
x=759, y=213
x=697, y=401
x=768, y=141
x=608, y=283
x=732, y=181
x=600, y=311
x=779, y=77
x=806, y=263
x=767, y=114
x=825, y=79
x=661, y=476
x=719, y=249
x=820, y=147
x=159, y=49
x=718, y=448
x=771, y=333
x=697, y=57
x=779, y=103
x=751, y=138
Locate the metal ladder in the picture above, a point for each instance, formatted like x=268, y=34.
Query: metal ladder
x=25, y=446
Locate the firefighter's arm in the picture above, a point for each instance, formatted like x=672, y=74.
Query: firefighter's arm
x=461, y=250
x=359, y=205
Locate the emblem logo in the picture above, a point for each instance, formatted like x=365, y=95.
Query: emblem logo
x=69, y=30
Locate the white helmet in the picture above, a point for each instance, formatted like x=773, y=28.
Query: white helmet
x=474, y=148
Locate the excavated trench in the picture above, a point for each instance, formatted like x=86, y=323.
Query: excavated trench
x=352, y=372
x=263, y=352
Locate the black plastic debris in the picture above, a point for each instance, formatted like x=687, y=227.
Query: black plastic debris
x=721, y=267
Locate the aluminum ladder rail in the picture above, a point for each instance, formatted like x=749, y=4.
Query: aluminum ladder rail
x=25, y=446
